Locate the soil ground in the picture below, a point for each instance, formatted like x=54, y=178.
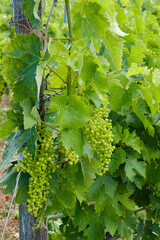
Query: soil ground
x=12, y=229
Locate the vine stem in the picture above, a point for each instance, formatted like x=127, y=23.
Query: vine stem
x=69, y=75
x=46, y=25
x=49, y=125
x=56, y=73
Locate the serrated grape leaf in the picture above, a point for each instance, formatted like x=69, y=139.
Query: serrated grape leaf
x=104, y=82
x=26, y=88
x=69, y=231
x=23, y=188
x=87, y=220
x=89, y=20
x=39, y=76
x=108, y=181
x=139, y=22
x=89, y=170
x=127, y=225
x=130, y=139
x=114, y=27
x=110, y=219
x=88, y=69
x=73, y=111
x=147, y=125
x=18, y=140
x=73, y=138
x=74, y=173
x=21, y=61
x=118, y=157
x=36, y=115
x=9, y=179
x=152, y=97
x=135, y=70
x=95, y=230
x=21, y=53
x=55, y=81
x=7, y=128
x=62, y=197
x=27, y=106
x=95, y=189
x=114, y=46
x=148, y=230
x=57, y=50
x=88, y=150
x=30, y=9
x=124, y=199
x=133, y=164
x=83, y=215
x=137, y=53
x=121, y=97
x=156, y=77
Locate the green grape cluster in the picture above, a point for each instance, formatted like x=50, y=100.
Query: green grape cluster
x=71, y=157
x=67, y=155
x=156, y=190
x=98, y=132
x=40, y=168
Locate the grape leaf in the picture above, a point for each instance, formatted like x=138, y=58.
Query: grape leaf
x=130, y=139
x=74, y=173
x=86, y=219
x=89, y=20
x=9, y=179
x=114, y=46
x=141, y=116
x=108, y=181
x=127, y=225
x=118, y=157
x=95, y=230
x=62, y=197
x=135, y=70
x=73, y=138
x=31, y=115
x=7, y=128
x=95, y=189
x=30, y=9
x=133, y=164
x=121, y=97
x=18, y=140
x=21, y=61
x=23, y=188
x=137, y=53
x=88, y=69
x=152, y=97
x=89, y=170
x=73, y=111
x=110, y=219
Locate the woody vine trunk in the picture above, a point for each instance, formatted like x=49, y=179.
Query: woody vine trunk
x=26, y=220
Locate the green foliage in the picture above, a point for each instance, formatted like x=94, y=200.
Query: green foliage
x=112, y=60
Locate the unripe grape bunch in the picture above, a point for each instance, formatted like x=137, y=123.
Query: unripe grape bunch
x=39, y=168
x=98, y=132
x=156, y=190
x=68, y=156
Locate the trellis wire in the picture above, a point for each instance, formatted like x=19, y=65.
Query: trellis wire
x=14, y=191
